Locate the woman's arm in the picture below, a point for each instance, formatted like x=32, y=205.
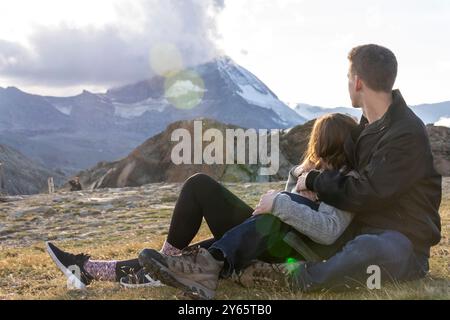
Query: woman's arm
x=324, y=226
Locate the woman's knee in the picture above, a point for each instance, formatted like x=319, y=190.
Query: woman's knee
x=199, y=180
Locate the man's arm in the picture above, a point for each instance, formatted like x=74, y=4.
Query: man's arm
x=393, y=169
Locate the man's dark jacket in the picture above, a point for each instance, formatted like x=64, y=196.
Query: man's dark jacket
x=399, y=188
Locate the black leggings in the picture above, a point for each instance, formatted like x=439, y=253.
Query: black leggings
x=203, y=197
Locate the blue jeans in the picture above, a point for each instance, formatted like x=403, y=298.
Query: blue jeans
x=345, y=263
x=390, y=251
x=259, y=237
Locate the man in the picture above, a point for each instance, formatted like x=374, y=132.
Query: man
x=395, y=198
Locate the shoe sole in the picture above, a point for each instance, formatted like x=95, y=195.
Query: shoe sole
x=158, y=271
x=139, y=286
x=142, y=285
x=79, y=285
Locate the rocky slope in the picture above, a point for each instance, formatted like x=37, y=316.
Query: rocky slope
x=151, y=162
x=24, y=176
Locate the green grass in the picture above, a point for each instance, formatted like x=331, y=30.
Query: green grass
x=26, y=271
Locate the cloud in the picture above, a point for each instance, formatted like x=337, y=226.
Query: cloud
x=118, y=53
x=443, y=122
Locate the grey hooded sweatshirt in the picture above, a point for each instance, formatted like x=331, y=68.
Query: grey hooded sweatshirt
x=324, y=226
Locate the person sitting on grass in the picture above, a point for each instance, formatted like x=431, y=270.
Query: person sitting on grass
x=203, y=197
x=395, y=200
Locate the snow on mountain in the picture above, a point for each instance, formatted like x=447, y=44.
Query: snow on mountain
x=181, y=88
x=313, y=112
x=63, y=109
x=135, y=110
x=255, y=92
x=227, y=91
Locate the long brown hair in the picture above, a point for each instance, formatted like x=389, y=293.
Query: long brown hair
x=326, y=142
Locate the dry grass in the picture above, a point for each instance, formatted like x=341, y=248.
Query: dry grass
x=26, y=272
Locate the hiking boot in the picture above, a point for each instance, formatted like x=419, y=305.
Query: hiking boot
x=71, y=265
x=195, y=271
x=260, y=273
x=139, y=279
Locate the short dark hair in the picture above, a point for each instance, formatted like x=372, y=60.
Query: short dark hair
x=376, y=65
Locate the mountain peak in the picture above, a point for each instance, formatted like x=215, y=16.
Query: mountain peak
x=13, y=89
x=224, y=59
x=87, y=93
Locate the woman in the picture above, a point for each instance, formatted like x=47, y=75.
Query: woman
x=203, y=197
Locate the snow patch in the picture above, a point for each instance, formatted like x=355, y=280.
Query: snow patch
x=135, y=110
x=254, y=91
x=64, y=109
x=181, y=88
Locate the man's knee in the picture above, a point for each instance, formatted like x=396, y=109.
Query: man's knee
x=387, y=246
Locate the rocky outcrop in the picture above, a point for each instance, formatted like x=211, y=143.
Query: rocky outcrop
x=151, y=162
x=440, y=145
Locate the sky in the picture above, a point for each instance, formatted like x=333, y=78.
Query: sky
x=297, y=47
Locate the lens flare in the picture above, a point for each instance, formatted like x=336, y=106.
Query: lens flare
x=291, y=261
x=165, y=59
x=185, y=89
x=292, y=264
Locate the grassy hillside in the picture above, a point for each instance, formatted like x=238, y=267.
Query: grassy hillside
x=118, y=223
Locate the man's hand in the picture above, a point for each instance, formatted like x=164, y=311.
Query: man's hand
x=266, y=203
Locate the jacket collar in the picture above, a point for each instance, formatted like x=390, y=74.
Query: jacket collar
x=394, y=112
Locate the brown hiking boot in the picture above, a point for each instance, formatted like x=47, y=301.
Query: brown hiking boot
x=263, y=274
x=195, y=271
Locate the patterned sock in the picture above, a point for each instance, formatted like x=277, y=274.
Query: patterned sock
x=101, y=270
x=170, y=250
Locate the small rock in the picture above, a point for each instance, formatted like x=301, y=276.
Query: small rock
x=58, y=200
x=42, y=211
x=50, y=212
